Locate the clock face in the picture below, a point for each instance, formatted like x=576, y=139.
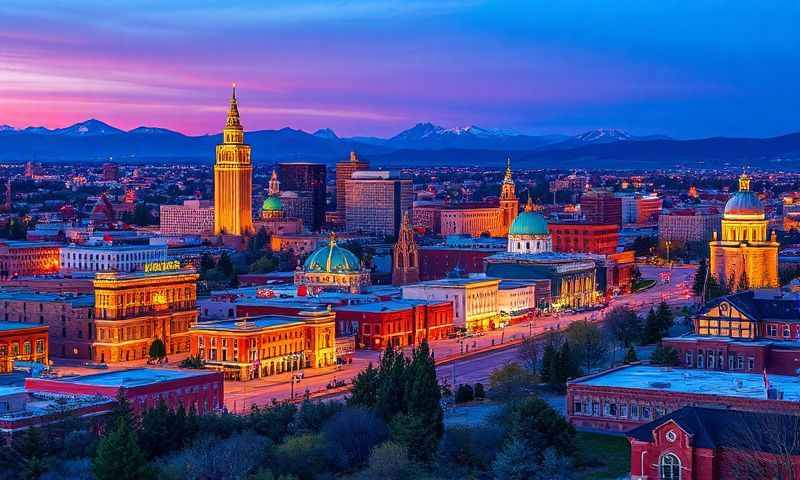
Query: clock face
x=723, y=307
x=671, y=436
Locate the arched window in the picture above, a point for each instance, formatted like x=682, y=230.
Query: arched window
x=669, y=467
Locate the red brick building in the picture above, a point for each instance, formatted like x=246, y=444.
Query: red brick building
x=749, y=331
x=601, y=207
x=22, y=342
x=28, y=258
x=396, y=322
x=584, y=237
x=143, y=387
x=622, y=398
x=695, y=443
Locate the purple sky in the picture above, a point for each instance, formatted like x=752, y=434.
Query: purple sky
x=687, y=69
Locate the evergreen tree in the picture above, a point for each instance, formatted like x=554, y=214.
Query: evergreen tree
x=700, y=277
x=365, y=388
x=225, y=265
x=665, y=356
x=157, y=350
x=423, y=394
x=630, y=355
x=391, y=393
x=154, y=433
x=548, y=359
x=121, y=410
x=206, y=263
x=665, y=317
x=118, y=456
x=652, y=330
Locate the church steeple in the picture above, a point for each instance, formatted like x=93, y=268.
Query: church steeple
x=274, y=185
x=529, y=203
x=233, y=131
x=405, y=257
x=507, y=191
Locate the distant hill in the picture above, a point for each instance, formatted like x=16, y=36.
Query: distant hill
x=424, y=144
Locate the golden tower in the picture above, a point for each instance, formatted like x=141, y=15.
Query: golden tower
x=233, y=178
x=744, y=257
x=509, y=205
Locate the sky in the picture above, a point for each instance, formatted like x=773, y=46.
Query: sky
x=688, y=69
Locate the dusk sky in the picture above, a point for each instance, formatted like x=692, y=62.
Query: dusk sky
x=687, y=69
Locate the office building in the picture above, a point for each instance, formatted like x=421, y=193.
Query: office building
x=376, y=202
x=305, y=177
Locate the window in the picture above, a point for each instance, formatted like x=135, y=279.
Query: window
x=772, y=330
x=730, y=362
x=700, y=359
x=689, y=359
x=710, y=359
x=634, y=411
x=669, y=467
x=577, y=408
x=751, y=363
x=787, y=332
x=740, y=362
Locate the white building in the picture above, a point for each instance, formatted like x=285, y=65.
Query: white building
x=194, y=217
x=110, y=258
x=516, y=299
x=475, y=305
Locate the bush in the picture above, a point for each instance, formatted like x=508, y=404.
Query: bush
x=306, y=456
x=355, y=432
x=223, y=459
x=389, y=461
x=479, y=391
x=534, y=422
x=464, y=394
x=665, y=356
x=193, y=361
x=312, y=415
x=630, y=355
x=510, y=381
x=471, y=447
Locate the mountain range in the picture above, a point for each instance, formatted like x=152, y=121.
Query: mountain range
x=423, y=144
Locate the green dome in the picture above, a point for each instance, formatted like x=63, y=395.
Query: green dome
x=529, y=223
x=272, y=204
x=332, y=259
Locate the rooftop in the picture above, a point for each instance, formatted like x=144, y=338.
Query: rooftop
x=134, y=377
x=693, y=381
x=453, y=282
x=31, y=296
x=8, y=326
x=251, y=323
x=387, y=306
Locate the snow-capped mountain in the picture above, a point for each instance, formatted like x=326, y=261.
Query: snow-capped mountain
x=7, y=128
x=153, y=131
x=326, y=133
x=88, y=128
x=430, y=136
x=603, y=135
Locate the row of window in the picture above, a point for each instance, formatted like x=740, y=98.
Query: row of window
x=712, y=359
x=634, y=411
x=26, y=348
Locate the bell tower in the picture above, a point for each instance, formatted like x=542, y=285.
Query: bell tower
x=405, y=258
x=233, y=178
x=274, y=185
x=509, y=205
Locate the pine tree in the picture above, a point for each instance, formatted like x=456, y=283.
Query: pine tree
x=155, y=431
x=665, y=319
x=548, y=357
x=157, y=350
x=651, y=333
x=118, y=456
x=365, y=388
x=121, y=410
x=700, y=277
x=391, y=392
x=423, y=394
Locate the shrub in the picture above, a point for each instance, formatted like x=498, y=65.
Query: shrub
x=464, y=394
x=479, y=391
x=355, y=431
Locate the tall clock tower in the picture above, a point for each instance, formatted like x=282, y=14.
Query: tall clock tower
x=233, y=178
x=509, y=205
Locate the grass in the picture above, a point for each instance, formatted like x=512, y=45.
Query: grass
x=603, y=457
x=643, y=285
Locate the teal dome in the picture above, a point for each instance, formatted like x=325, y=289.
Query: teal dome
x=332, y=259
x=272, y=204
x=529, y=223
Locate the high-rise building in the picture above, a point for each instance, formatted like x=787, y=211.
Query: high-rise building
x=344, y=171
x=405, y=257
x=601, y=207
x=110, y=172
x=233, y=178
x=745, y=257
x=306, y=177
x=689, y=225
x=194, y=217
x=376, y=201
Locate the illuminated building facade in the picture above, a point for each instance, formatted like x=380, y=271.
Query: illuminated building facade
x=133, y=309
x=233, y=179
x=584, y=237
x=376, y=201
x=344, y=172
x=20, y=258
x=601, y=207
x=194, y=217
x=105, y=258
x=744, y=257
x=689, y=225
x=474, y=300
x=22, y=342
x=509, y=205
x=529, y=233
x=256, y=347
x=332, y=268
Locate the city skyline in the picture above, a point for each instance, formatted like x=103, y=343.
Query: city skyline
x=376, y=68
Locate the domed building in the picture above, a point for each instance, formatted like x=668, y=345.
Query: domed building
x=529, y=232
x=273, y=218
x=272, y=208
x=744, y=257
x=332, y=268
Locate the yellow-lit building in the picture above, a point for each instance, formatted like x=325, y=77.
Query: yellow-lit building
x=744, y=256
x=256, y=347
x=233, y=179
x=133, y=309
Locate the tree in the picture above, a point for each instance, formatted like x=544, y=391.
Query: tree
x=423, y=397
x=479, y=391
x=666, y=318
x=157, y=351
x=264, y=264
x=630, y=355
x=588, y=343
x=306, y=456
x=752, y=436
x=312, y=415
x=389, y=461
x=622, y=325
x=121, y=410
x=652, y=330
x=365, y=388
x=355, y=432
x=225, y=266
x=563, y=367
x=118, y=456
x=472, y=447
x=510, y=381
x=514, y=462
x=700, y=277
x=464, y=393
x=390, y=396
x=193, y=361
x=665, y=356
x=154, y=431
x=232, y=458
x=529, y=353
x=534, y=422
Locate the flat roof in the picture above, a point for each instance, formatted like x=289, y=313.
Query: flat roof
x=452, y=282
x=133, y=377
x=694, y=381
x=380, y=307
x=28, y=296
x=8, y=326
x=249, y=323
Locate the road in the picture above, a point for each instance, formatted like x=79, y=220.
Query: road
x=474, y=368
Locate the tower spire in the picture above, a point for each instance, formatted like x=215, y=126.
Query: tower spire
x=508, y=179
x=744, y=183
